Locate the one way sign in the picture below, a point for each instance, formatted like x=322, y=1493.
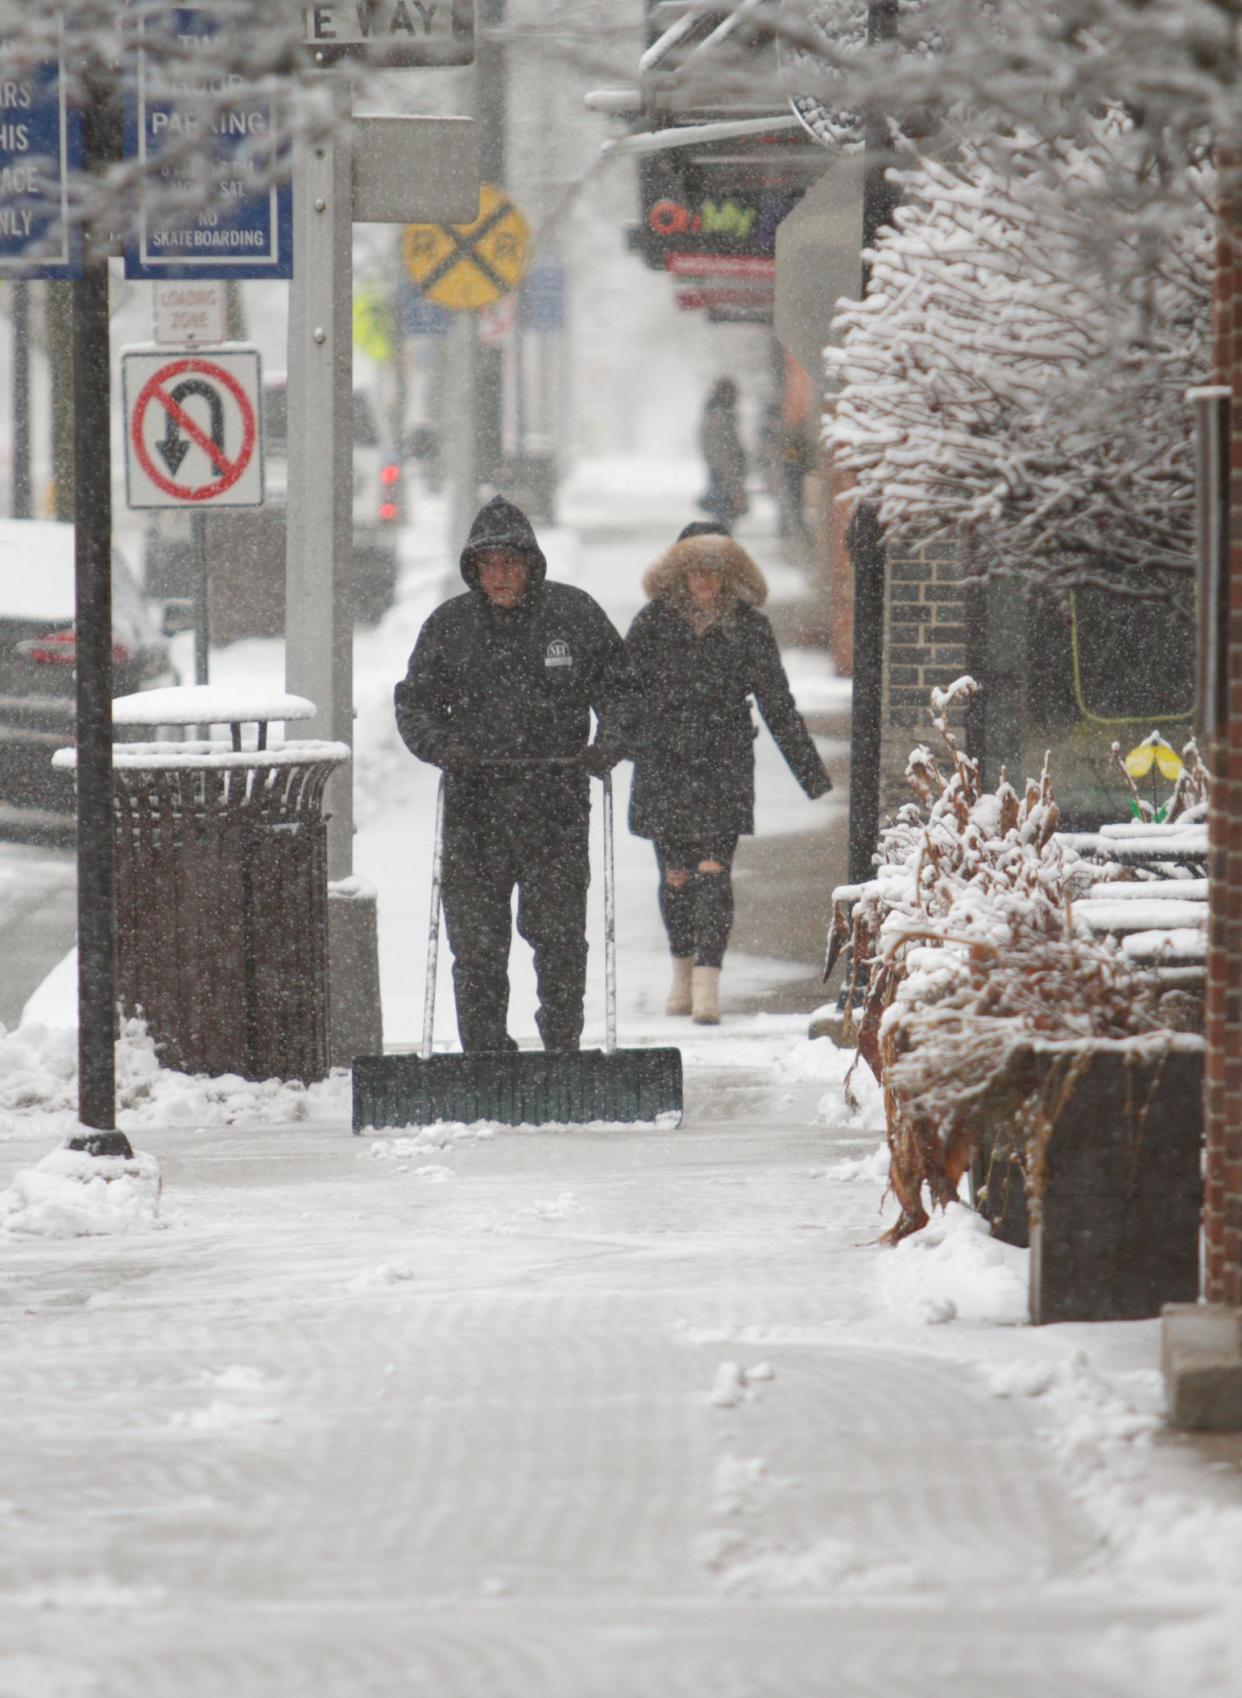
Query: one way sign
x=193, y=435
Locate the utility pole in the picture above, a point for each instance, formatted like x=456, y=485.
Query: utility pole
x=866, y=539
x=474, y=425
x=491, y=87
x=20, y=504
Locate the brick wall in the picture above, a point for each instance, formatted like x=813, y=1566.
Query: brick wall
x=1223, y=1104
x=925, y=645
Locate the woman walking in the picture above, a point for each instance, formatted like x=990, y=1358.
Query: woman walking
x=700, y=649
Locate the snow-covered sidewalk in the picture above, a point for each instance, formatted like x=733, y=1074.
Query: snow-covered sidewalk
x=516, y=1415
x=497, y=1414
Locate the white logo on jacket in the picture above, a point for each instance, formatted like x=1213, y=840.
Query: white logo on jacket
x=558, y=654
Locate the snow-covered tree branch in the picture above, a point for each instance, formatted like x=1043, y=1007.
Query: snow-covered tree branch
x=1017, y=374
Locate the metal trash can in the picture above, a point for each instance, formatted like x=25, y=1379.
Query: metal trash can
x=222, y=883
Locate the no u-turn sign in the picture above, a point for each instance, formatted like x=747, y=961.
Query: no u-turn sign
x=193, y=435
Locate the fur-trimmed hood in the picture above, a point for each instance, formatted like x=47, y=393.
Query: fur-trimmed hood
x=744, y=584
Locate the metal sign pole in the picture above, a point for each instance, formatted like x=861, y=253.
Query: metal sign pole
x=93, y=627
x=202, y=624
x=319, y=659
x=20, y=503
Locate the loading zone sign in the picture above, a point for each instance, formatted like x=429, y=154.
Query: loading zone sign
x=192, y=431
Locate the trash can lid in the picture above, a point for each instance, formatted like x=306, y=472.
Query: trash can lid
x=210, y=704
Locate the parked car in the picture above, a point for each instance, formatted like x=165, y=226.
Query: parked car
x=37, y=653
x=246, y=546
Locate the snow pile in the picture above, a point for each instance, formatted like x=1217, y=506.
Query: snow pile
x=872, y=1169
x=38, y=1070
x=955, y=1270
x=39, y=1075
x=733, y=1382
x=747, y=1561
x=221, y=1417
x=766, y=1568
x=395, y=1272
x=410, y=1140
x=1106, y=1429
x=71, y=1194
x=416, y=1140
x=560, y=1207
x=855, y=1102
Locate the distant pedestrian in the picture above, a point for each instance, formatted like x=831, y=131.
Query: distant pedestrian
x=720, y=441
x=499, y=694
x=699, y=651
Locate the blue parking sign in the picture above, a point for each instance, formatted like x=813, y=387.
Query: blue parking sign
x=206, y=210
x=40, y=150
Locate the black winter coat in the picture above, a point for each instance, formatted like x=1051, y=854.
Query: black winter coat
x=694, y=765
x=513, y=683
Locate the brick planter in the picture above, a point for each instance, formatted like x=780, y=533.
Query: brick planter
x=1114, y=1176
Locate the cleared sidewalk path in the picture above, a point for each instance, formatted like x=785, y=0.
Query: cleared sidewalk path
x=590, y=1414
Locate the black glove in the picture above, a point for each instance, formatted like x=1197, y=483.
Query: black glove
x=598, y=762
x=455, y=757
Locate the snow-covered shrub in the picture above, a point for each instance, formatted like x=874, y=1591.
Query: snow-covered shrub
x=966, y=941
x=1016, y=377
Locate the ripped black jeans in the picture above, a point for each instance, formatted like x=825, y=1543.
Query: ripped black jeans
x=697, y=911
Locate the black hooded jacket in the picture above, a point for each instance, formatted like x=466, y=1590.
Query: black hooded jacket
x=503, y=684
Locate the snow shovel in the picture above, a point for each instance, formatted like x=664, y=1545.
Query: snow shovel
x=521, y=1087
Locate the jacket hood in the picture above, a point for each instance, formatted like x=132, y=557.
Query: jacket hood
x=743, y=584
x=502, y=525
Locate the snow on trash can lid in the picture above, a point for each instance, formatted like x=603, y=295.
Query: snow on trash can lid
x=210, y=704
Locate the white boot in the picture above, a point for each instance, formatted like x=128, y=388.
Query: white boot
x=705, y=996
x=679, y=996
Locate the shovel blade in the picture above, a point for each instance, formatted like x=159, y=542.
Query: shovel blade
x=630, y=1087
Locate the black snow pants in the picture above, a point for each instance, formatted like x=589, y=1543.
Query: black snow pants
x=500, y=841
x=697, y=915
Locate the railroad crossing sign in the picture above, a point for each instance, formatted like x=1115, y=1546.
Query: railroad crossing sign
x=467, y=267
x=192, y=431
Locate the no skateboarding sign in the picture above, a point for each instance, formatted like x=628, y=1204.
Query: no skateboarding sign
x=192, y=429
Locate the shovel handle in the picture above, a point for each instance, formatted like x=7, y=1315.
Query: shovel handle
x=610, y=927
x=433, y=925
x=570, y=762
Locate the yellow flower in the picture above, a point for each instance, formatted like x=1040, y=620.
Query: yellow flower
x=1139, y=762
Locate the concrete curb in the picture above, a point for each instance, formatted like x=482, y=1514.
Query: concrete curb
x=1202, y=1361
